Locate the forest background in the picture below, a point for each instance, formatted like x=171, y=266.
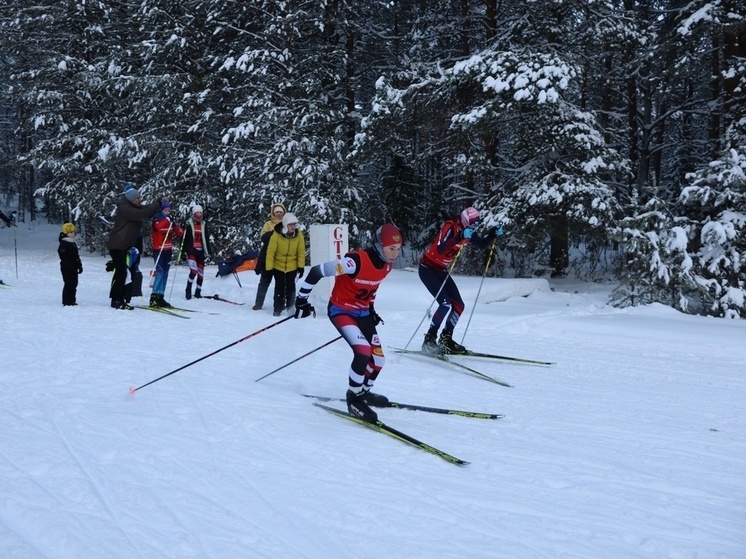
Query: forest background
x=607, y=138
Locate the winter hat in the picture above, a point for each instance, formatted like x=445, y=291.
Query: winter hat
x=388, y=234
x=276, y=207
x=132, y=194
x=287, y=219
x=469, y=216
x=68, y=228
x=165, y=205
x=197, y=208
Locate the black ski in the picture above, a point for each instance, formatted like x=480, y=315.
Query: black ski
x=161, y=310
x=219, y=298
x=501, y=358
x=391, y=432
x=445, y=359
x=399, y=405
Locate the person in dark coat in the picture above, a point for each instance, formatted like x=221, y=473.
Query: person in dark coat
x=128, y=222
x=70, y=264
x=265, y=277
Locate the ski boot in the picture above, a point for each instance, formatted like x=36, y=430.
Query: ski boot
x=357, y=406
x=449, y=346
x=188, y=292
x=198, y=293
x=375, y=400
x=430, y=345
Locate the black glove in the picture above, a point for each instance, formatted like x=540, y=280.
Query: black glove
x=303, y=308
x=80, y=269
x=110, y=266
x=300, y=272
x=375, y=316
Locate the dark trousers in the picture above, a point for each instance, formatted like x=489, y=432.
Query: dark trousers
x=120, y=276
x=261, y=291
x=70, y=287
x=284, y=289
x=450, y=303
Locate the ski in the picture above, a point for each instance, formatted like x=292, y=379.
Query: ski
x=180, y=309
x=219, y=298
x=501, y=358
x=161, y=310
x=391, y=432
x=414, y=407
x=445, y=359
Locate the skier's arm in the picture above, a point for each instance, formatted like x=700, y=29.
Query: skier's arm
x=345, y=265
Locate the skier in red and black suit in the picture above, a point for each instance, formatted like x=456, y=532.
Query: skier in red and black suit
x=351, y=311
x=434, y=273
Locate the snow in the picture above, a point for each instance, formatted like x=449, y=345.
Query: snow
x=631, y=446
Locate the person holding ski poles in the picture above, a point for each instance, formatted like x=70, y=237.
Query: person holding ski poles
x=352, y=312
x=163, y=230
x=435, y=275
x=196, y=249
x=128, y=220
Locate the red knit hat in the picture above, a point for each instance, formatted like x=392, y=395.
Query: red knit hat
x=388, y=234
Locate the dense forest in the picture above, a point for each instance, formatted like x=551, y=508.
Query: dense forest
x=607, y=138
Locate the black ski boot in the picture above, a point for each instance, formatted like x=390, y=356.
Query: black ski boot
x=449, y=346
x=430, y=345
x=357, y=406
x=375, y=400
x=157, y=300
x=188, y=292
x=198, y=293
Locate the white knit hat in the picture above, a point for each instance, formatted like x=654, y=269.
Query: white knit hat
x=286, y=219
x=197, y=208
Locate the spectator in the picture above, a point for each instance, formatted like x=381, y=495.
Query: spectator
x=197, y=250
x=70, y=264
x=128, y=220
x=265, y=277
x=163, y=231
x=286, y=257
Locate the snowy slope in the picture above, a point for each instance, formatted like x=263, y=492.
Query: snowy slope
x=631, y=446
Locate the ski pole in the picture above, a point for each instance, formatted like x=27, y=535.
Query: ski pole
x=489, y=261
x=133, y=390
x=299, y=358
x=178, y=261
x=15, y=243
x=442, y=285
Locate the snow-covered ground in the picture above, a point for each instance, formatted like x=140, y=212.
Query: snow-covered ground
x=631, y=446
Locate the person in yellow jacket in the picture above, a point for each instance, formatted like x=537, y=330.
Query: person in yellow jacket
x=286, y=258
x=265, y=278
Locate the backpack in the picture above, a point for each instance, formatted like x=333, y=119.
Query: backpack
x=237, y=263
